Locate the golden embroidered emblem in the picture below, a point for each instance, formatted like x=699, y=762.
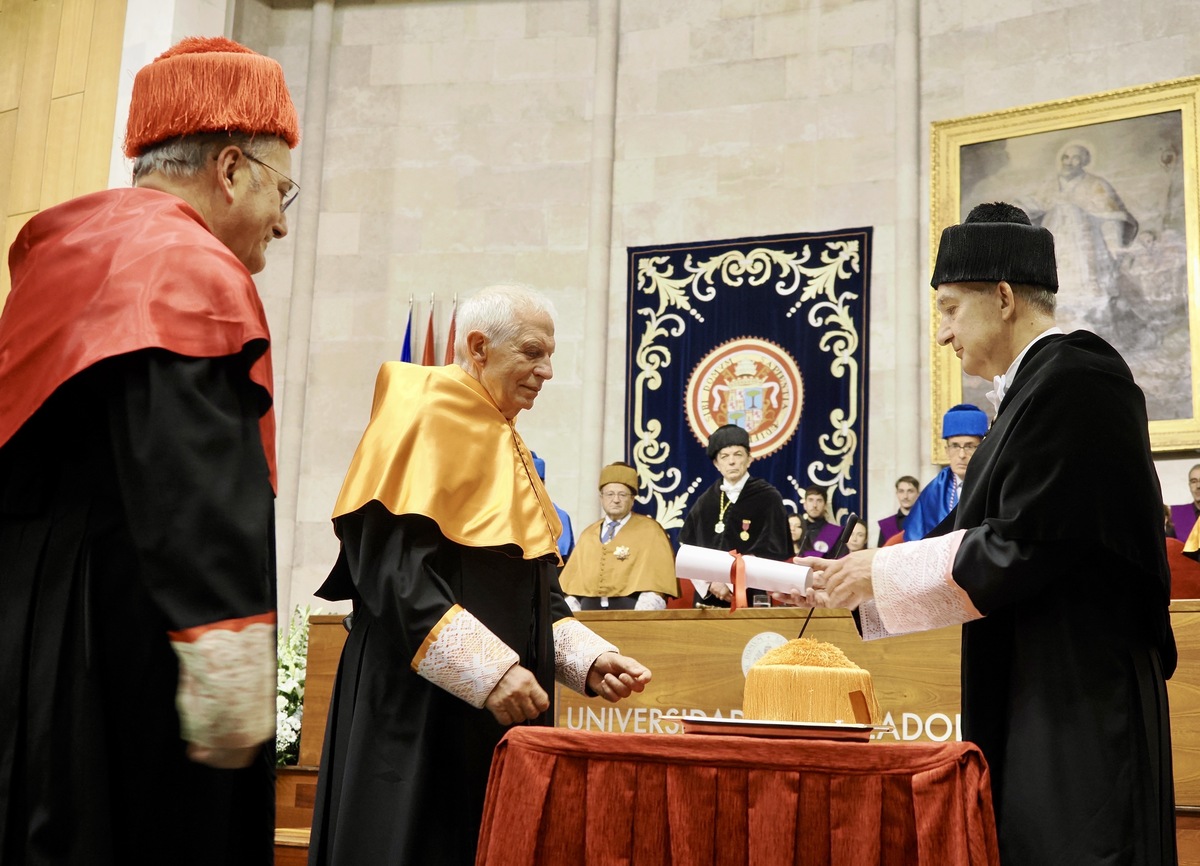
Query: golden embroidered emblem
x=752, y=383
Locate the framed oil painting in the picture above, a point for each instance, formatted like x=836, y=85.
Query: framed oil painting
x=1113, y=176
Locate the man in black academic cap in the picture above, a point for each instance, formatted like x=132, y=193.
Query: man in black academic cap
x=736, y=513
x=1066, y=640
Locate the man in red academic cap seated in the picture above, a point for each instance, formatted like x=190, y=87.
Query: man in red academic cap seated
x=136, y=487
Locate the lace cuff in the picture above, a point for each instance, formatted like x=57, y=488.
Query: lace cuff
x=227, y=682
x=869, y=623
x=650, y=601
x=576, y=648
x=914, y=587
x=463, y=657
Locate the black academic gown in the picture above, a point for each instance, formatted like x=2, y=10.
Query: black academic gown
x=136, y=501
x=1063, y=679
x=759, y=503
x=405, y=765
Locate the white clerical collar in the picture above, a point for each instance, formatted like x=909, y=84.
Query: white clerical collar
x=735, y=490
x=1000, y=383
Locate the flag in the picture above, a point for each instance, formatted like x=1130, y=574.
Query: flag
x=406, y=350
x=427, y=357
x=450, y=337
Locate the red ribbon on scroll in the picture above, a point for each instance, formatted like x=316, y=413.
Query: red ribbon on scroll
x=737, y=576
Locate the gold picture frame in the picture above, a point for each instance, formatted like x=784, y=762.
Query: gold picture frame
x=1113, y=175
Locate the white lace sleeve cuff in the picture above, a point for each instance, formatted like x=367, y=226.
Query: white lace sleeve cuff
x=650, y=601
x=914, y=587
x=869, y=622
x=463, y=657
x=576, y=648
x=227, y=682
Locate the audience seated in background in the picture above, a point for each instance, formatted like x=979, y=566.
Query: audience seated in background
x=907, y=488
x=1183, y=517
x=820, y=533
x=796, y=530
x=963, y=428
x=857, y=539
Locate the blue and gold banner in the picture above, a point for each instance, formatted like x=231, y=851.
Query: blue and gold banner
x=767, y=333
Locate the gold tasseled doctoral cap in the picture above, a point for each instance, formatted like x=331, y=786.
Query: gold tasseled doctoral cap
x=621, y=473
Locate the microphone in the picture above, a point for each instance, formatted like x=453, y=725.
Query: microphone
x=839, y=549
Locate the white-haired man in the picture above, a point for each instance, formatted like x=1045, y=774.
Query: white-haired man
x=459, y=628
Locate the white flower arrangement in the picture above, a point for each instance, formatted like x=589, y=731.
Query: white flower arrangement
x=292, y=649
x=621, y=552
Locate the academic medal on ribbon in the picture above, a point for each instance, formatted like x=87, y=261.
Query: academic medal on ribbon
x=745, y=533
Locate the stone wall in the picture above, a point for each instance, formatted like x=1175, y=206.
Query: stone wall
x=460, y=151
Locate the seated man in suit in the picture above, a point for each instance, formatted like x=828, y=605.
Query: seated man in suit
x=624, y=560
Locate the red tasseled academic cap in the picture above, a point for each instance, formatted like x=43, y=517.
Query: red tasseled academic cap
x=209, y=84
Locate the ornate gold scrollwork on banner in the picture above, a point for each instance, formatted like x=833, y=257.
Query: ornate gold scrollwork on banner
x=826, y=309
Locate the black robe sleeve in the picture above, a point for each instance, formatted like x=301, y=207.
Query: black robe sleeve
x=193, y=480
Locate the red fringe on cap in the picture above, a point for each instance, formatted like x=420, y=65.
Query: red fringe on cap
x=209, y=85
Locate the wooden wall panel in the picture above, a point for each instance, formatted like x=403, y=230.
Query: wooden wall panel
x=8, y=140
x=74, y=47
x=33, y=112
x=60, y=63
x=62, y=147
x=14, y=36
x=1184, y=693
x=100, y=96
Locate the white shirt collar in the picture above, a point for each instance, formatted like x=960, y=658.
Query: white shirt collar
x=1000, y=383
x=736, y=490
x=605, y=519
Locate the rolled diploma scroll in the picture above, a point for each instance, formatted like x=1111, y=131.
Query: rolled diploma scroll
x=703, y=566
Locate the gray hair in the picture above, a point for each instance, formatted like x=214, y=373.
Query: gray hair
x=1038, y=297
x=497, y=312
x=186, y=155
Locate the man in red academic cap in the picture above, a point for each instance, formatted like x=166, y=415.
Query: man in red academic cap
x=136, y=487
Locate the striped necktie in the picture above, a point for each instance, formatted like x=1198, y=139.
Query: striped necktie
x=610, y=529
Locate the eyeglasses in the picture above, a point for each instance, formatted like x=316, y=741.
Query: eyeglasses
x=964, y=447
x=294, y=190
x=616, y=495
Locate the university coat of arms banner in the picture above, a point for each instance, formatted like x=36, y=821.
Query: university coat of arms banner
x=767, y=333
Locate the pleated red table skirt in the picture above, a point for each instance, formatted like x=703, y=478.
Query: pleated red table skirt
x=559, y=797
